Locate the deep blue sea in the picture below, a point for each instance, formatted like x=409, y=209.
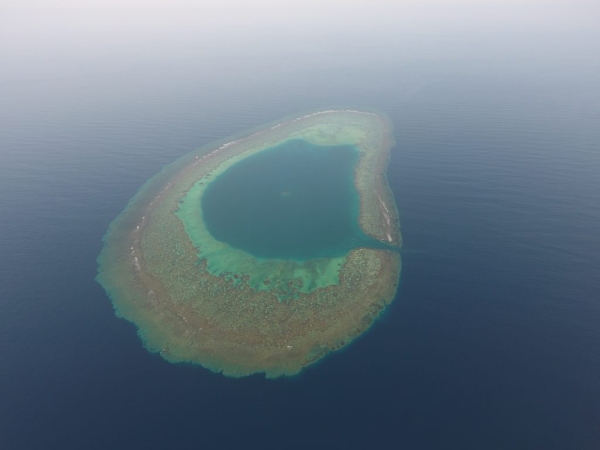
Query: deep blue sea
x=493, y=341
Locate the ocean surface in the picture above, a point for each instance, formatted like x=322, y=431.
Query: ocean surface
x=493, y=340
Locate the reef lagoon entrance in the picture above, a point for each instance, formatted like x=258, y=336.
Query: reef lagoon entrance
x=264, y=253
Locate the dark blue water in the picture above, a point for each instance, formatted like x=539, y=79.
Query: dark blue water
x=294, y=201
x=493, y=341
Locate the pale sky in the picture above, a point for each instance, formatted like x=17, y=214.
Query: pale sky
x=410, y=13
x=31, y=29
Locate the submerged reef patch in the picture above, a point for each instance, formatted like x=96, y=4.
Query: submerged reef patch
x=203, y=293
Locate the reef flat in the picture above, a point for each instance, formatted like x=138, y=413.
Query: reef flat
x=197, y=299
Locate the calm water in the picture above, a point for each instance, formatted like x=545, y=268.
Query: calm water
x=493, y=341
x=294, y=201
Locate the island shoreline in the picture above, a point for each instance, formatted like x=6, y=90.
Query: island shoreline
x=137, y=220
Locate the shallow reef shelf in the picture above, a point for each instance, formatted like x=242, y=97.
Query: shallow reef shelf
x=199, y=300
